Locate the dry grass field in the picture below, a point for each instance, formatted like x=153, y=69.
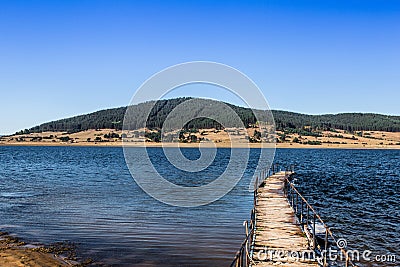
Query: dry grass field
x=212, y=137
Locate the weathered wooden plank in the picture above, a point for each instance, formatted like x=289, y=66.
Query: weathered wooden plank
x=277, y=228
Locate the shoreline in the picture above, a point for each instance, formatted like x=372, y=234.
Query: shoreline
x=209, y=138
x=17, y=253
x=197, y=145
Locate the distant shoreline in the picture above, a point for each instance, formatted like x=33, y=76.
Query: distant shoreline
x=210, y=138
x=196, y=145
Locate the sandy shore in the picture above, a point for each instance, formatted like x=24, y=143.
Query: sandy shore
x=214, y=138
x=15, y=253
x=196, y=145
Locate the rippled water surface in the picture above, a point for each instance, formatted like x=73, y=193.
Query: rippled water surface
x=87, y=196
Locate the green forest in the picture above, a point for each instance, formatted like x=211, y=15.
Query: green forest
x=284, y=120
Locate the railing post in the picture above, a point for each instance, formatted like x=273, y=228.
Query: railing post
x=291, y=197
x=255, y=198
x=246, y=245
x=285, y=188
x=246, y=227
x=301, y=213
x=313, y=230
x=326, y=247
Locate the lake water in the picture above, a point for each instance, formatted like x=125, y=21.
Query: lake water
x=86, y=195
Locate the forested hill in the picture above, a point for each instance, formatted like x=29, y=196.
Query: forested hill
x=113, y=118
x=343, y=121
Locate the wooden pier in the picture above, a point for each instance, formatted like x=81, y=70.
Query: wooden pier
x=282, y=228
x=278, y=238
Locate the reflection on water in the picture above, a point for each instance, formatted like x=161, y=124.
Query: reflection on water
x=86, y=195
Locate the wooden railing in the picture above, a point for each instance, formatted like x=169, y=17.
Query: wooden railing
x=308, y=218
x=305, y=213
x=265, y=173
x=243, y=255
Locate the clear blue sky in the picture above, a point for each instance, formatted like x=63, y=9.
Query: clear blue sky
x=59, y=59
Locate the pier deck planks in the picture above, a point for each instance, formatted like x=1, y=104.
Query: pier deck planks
x=277, y=228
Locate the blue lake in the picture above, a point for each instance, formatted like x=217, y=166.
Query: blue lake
x=86, y=195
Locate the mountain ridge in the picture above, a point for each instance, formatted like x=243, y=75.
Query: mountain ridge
x=112, y=118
